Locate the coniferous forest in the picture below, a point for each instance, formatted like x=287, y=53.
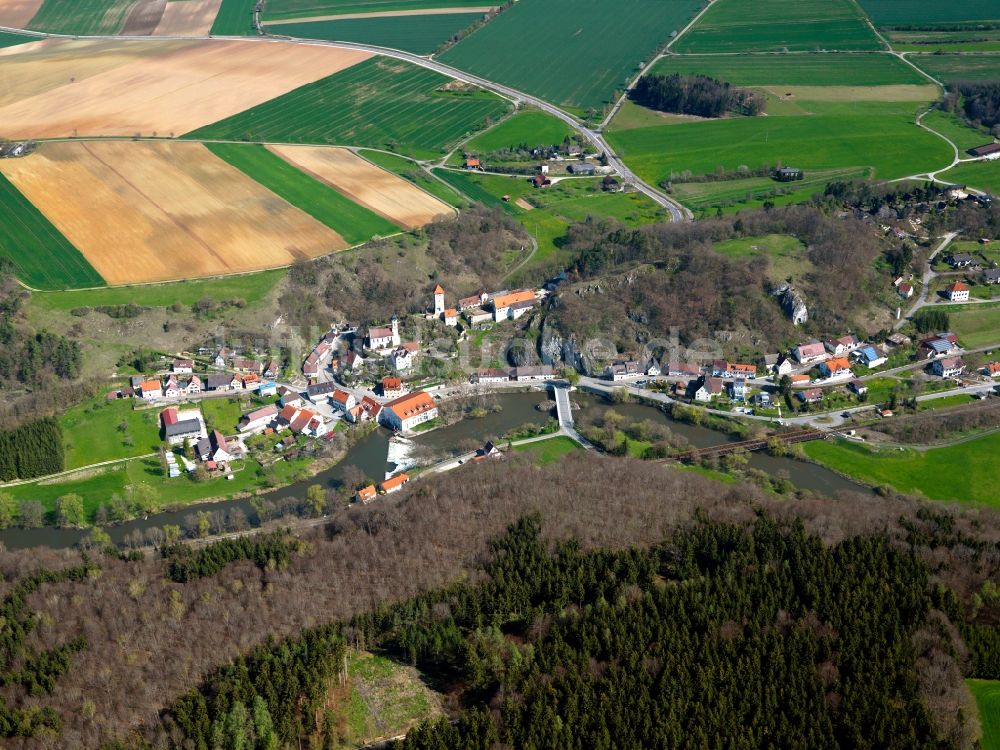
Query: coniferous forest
x=32, y=450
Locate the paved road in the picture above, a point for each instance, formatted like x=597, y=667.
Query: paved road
x=926, y=281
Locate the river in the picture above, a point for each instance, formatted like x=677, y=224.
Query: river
x=370, y=455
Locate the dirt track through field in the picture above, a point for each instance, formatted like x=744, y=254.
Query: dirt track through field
x=164, y=211
x=383, y=14
x=17, y=13
x=188, y=18
x=143, y=18
x=63, y=88
x=385, y=193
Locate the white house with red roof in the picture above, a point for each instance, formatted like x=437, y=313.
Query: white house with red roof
x=957, y=292
x=342, y=400
x=259, y=419
x=405, y=413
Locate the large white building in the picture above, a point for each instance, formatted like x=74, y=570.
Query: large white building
x=408, y=411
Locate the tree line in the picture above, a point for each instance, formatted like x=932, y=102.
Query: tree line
x=266, y=551
x=32, y=450
x=696, y=95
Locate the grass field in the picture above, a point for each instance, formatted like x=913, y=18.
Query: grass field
x=837, y=135
x=949, y=125
x=412, y=172
x=975, y=325
x=9, y=40
x=962, y=472
x=983, y=175
x=574, y=53
x=754, y=190
x=973, y=67
x=987, y=695
x=418, y=34
x=776, y=25
x=103, y=431
x=928, y=12
x=378, y=103
x=530, y=128
x=820, y=69
x=84, y=17
x=969, y=40
x=235, y=18
x=42, y=257
x=251, y=287
x=549, y=451
x=301, y=8
x=356, y=224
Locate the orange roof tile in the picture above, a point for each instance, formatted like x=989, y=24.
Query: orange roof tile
x=506, y=300
x=411, y=404
x=397, y=481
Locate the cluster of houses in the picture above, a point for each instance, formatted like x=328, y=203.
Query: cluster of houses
x=249, y=375
x=527, y=374
x=483, y=306
x=212, y=448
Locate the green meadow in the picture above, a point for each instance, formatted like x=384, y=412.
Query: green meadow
x=970, y=67
x=356, y=224
x=982, y=175
x=530, y=127
x=929, y=12
x=950, y=126
x=777, y=25
x=975, y=325
x=987, y=695
x=9, y=40
x=418, y=34
x=235, y=18
x=302, y=8
x=880, y=135
x=753, y=191
x=964, y=473
x=549, y=451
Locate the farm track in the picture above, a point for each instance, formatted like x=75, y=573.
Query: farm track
x=677, y=211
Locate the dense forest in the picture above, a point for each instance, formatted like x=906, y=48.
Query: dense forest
x=978, y=101
x=32, y=450
x=226, y=632
x=696, y=95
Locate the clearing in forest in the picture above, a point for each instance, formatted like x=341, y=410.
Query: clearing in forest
x=162, y=211
x=388, y=195
x=65, y=88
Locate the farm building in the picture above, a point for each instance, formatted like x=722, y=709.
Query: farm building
x=788, y=174
x=990, y=151
x=581, y=168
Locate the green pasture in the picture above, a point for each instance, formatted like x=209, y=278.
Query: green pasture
x=574, y=53
x=300, y=8
x=235, y=18
x=356, y=224
x=778, y=25
x=950, y=126
x=786, y=255
x=42, y=257
x=970, y=67
x=379, y=103
x=549, y=451
x=982, y=175
x=251, y=287
x=987, y=695
x=968, y=40
x=965, y=472
x=406, y=169
x=530, y=127
x=418, y=34
x=751, y=191
x=837, y=135
x=929, y=12
x=84, y=17
x=100, y=430
x=976, y=325
x=819, y=69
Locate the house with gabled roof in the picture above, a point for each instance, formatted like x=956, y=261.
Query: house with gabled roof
x=366, y=494
x=409, y=411
x=259, y=419
x=150, y=390
x=948, y=367
x=810, y=352
x=182, y=366
x=836, y=367
x=810, y=396
x=957, y=292
x=393, y=484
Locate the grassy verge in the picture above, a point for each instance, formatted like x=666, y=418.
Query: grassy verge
x=356, y=224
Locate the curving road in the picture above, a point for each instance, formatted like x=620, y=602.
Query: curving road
x=677, y=211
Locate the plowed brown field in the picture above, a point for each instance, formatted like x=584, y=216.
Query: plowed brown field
x=188, y=18
x=66, y=88
x=17, y=13
x=164, y=211
x=386, y=194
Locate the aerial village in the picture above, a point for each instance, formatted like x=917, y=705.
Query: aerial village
x=357, y=375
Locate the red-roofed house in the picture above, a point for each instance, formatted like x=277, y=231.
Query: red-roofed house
x=151, y=389
x=258, y=420
x=992, y=369
x=343, y=400
x=392, y=388
x=168, y=416
x=393, y=484
x=366, y=494
x=408, y=411
x=957, y=292
x=811, y=351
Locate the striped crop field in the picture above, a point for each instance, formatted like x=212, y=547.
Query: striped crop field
x=235, y=18
x=380, y=103
x=418, y=34
x=83, y=17
x=42, y=257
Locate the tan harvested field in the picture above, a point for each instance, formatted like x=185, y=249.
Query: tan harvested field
x=897, y=93
x=168, y=87
x=384, y=14
x=17, y=13
x=162, y=211
x=385, y=193
x=188, y=18
x=143, y=18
